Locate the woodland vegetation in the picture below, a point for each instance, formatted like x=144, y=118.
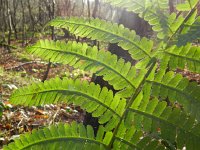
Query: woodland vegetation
x=99, y=74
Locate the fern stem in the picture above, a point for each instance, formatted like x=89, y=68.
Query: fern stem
x=152, y=64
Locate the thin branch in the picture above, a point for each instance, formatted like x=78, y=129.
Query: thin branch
x=47, y=71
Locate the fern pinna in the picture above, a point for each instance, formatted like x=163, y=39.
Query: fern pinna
x=154, y=106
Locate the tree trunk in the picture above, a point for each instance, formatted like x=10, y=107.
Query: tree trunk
x=171, y=6
x=13, y=18
x=88, y=4
x=95, y=10
x=23, y=24
x=3, y=23
x=52, y=17
x=32, y=21
x=9, y=25
x=40, y=19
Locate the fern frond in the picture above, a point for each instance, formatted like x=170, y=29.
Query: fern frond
x=69, y=137
x=180, y=25
x=151, y=11
x=141, y=6
x=172, y=125
x=183, y=57
x=101, y=30
x=130, y=138
x=177, y=89
x=154, y=12
x=118, y=73
x=187, y=5
x=192, y=34
x=100, y=102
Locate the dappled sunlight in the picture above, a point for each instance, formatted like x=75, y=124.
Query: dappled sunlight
x=99, y=74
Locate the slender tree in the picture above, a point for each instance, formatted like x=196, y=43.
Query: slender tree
x=15, y=5
x=23, y=23
x=9, y=19
x=95, y=10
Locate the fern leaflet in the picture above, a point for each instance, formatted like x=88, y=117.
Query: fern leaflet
x=100, y=102
x=151, y=11
x=187, y=6
x=182, y=57
x=130, y=138
x=170, y=124
x=192, y=34
x=177, y=89
x=74, y=136
x=118, y=73
x=97, y=29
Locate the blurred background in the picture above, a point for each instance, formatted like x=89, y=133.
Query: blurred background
x=24, y=19
x=21, y=24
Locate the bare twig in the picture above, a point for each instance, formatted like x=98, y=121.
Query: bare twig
x=23, y=64
x=47, y=71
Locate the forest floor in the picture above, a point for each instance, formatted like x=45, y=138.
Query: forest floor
x=18, y=69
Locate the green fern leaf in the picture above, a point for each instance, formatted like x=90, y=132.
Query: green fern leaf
x=187, y=6
x=99, y=102
x=97, y=29
x=118, y=73
x=192, y=34
x=139, y=6
x=74, y=136
x=182, y=57
x=151, y=11
x=130, y=138
x=156, y=13
x=177, y=89
x=190, y=22
x=169, y=124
